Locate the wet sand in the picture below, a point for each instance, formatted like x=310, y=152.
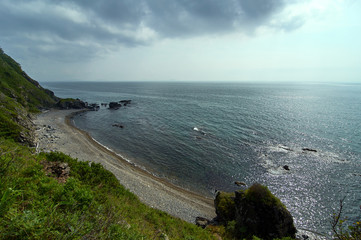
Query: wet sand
x=55, y=132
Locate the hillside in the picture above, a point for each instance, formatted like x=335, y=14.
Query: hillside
x=20, y=97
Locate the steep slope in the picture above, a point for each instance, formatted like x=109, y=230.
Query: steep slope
x=20, y=96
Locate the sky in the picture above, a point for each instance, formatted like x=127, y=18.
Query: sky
x=184, y=40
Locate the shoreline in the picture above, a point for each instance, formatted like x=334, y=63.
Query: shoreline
x=56, y=132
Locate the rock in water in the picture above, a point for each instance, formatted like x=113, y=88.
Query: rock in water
x=260, y=213
x=238, y=183
x=309, y=150
x=286, y=167
x=114, y=105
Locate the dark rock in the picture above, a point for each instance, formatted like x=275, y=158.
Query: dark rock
x=202, y=222
x=259, y=213
x=285, y=167
x=93, y=106
x=238, y=183
x=309, y=149
x=114, y=105
x=71, y=103
x=305, y=237
x=118, y=125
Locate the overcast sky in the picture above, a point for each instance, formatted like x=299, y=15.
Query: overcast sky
x=184, y=40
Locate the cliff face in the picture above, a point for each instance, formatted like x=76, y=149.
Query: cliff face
x=20, y=97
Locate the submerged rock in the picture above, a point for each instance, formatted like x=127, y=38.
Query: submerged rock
x=309, y=150
x=238, y=183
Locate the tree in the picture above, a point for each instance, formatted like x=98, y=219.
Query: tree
x=351, y=232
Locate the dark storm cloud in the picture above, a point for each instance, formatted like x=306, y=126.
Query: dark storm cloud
x=88, y=26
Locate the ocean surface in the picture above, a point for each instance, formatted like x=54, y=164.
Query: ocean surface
x=206, y=136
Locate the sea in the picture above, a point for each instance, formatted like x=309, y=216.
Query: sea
x=205, y=136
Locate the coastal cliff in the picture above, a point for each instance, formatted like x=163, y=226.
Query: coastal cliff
x=21, y=97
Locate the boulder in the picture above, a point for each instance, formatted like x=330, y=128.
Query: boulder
x=259, y=213
x=114, y=105
x=202, y=222
x=70, y=103
x=238, y=183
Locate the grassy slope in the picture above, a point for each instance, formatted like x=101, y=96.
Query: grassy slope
x=19, y=95
x=91, y=204
x=16, y=84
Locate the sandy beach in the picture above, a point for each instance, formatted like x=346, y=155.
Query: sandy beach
x=55, y=132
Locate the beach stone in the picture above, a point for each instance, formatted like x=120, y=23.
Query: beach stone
x=238, y=183
x=202, y=222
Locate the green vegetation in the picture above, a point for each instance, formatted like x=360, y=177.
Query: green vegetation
x=225, y=206
x=91, y=204
x=341, y=232
x=260, y=194
x=19, y=97
x=16, y=84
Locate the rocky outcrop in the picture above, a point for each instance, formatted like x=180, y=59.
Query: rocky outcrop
x=225, y=207
x=260, y=213
x=256, y=212
x=114, y=105
x=125, y=102
x=70, y=103
x=117, y=105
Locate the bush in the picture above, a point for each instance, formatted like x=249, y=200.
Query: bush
x=260, y=194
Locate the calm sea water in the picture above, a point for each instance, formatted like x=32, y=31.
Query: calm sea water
x=205, y=136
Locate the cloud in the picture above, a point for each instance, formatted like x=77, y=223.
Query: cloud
x=77, y=29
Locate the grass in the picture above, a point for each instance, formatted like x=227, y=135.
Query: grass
x=91, y=204
x=16, y=84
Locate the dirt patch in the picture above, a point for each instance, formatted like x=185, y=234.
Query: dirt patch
x=58, y=170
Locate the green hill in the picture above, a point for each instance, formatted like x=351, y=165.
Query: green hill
x=20, y=97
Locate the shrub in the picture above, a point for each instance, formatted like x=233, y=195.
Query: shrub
x=225, y=206
x=260, y=194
